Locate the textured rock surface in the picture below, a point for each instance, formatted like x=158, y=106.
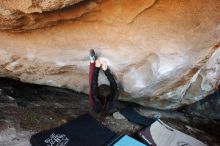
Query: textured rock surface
x=206, y=108
x=15, y=10
x=165, y=54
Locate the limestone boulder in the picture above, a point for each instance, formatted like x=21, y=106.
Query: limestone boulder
x=164, y=53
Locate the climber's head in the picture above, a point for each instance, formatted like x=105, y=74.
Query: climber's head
x=104, y=93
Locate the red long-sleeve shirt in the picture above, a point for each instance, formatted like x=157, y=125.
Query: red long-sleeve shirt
x=91, y=71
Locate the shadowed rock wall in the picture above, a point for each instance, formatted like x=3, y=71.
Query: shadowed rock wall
x=164, y=53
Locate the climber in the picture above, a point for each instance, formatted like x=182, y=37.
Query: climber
x=102, y=99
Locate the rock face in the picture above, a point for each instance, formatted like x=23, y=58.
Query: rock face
x=164, y=53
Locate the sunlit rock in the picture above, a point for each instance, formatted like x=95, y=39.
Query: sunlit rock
x=165, y=54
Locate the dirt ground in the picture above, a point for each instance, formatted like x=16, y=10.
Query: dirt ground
x=26, y=109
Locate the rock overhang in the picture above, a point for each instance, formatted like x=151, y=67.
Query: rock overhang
x=160, y=51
